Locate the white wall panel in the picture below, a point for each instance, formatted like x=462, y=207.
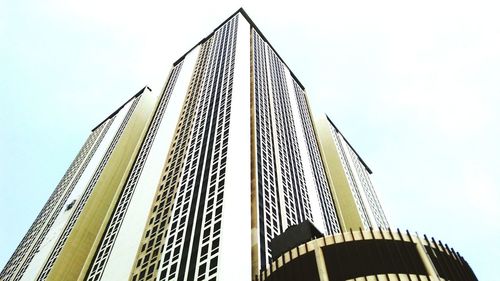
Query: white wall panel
x=235, y=248
x=129, y=237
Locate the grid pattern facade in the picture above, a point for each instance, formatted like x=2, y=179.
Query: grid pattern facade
x=269, y=218
x=295, y=194
x=81, y=203
x=343, y=154
x=17, y=264
x=109, y=237
x=193, y=182
x=369, y=191
x=323, y=189
x=283, y=198
x=359, y=181
x=153, y=241
x=148, y=257
x=152, y=245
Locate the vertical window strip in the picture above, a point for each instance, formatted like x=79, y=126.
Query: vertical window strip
x=296, y=195
x=76, y=213
x=325, y=198
x=111, y=233
x=269, y=219
x=154, y=238
x=172, y=193
x=186, y=200
x=215, y=91
x=212, y=213
x=339, y=143
x=373, y=202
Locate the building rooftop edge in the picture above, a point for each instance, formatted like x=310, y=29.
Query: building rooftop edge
x=119, y=108
x=252, y=24
x=357, y=154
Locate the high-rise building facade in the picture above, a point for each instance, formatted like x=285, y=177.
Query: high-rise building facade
x=353, y=191
x=84, y=195
x=367, y=255
x=195, y=183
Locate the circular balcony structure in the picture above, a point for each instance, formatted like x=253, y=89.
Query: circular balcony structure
x=372, y=255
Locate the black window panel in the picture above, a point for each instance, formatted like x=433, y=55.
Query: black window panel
x=370, y=257
x=302, y=268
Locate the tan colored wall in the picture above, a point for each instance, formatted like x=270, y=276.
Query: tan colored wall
x=82, y=242
x=342, y=195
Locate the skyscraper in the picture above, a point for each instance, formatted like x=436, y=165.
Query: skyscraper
x=195, y=184
x=350, y=176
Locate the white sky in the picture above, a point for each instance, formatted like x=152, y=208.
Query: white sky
x=413, y=85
